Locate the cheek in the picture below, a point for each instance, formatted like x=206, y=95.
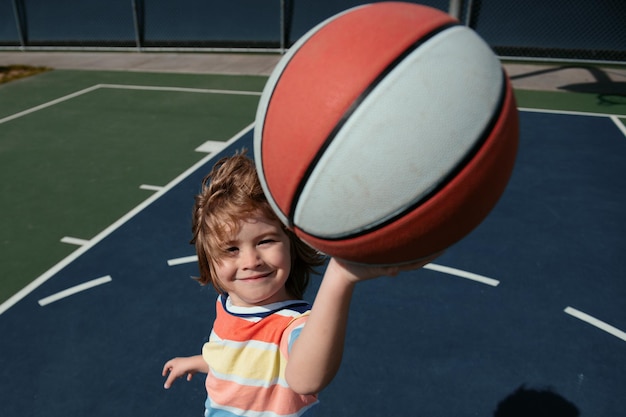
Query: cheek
x=223, y=271
x=285, y=261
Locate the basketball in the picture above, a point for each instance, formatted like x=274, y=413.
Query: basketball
x=386, y=134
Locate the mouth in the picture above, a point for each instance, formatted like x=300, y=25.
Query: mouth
x=255, y=277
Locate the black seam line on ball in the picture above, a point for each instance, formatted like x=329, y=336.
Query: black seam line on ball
x=482, y=138
x=357, y=102
x=289, y=215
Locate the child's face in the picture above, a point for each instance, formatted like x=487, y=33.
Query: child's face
x=255, y=266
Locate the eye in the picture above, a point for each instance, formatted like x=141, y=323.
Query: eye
x=266, y=241
x=231, y=250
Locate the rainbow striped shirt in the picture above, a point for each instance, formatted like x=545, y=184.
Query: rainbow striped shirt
x=247, y=353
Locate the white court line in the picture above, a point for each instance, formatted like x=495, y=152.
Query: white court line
x=462, y=274
x=619, y=124
x=569, y=112
x=595, y=322
x=74, y=290
x=74, y=241
x=126, y=87
x=150, y=187
x=180, y=89
x=116, y=225
x=50, y=103
x=183, y=260
x=210, y=146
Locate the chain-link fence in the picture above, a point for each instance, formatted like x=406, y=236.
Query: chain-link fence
x=554, y=29
x=591, y=30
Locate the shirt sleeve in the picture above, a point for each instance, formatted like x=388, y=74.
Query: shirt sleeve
x=291, y=333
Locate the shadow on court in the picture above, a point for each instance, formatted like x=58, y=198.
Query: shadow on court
x=526, y=402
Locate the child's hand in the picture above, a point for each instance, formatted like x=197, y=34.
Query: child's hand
x=360, y=272
x=178, y=367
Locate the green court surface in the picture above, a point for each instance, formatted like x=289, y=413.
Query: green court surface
x=77, y=146
x=575, y=102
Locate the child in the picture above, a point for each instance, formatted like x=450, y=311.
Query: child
x=261, y=357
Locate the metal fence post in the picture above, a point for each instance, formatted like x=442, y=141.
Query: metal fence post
x=138, y=27
x=282, y=26
x=18, y=22
x=454, y=8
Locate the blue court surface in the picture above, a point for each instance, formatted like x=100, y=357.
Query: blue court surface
x=532, y=301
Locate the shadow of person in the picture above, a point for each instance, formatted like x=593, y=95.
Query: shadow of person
x=525, y=402
x=604, y=84
x=609, y=92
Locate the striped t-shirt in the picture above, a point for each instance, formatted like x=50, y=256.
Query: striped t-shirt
x=247, y=354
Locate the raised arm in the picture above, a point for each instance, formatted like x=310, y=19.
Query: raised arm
x=316, y=354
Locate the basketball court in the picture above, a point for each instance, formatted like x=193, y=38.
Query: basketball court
x=533, y=298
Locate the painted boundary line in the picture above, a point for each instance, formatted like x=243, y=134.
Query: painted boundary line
x=149, y=187
x=180, y=89
x=596, y=323
x=74, y=241
x=210, y=146
x=50, y=103
x=74, y=290
x=463, y=274
x=570, y=112
x=124, y=87
x=183, y=260
x=619, y=124
x=615, y=118
x=106, y=232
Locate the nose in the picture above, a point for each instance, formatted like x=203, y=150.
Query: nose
x=250, y=259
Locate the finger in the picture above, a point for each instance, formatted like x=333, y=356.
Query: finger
x=168, y=382
x=420, y=263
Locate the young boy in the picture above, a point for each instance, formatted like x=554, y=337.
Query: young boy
x=269, y=353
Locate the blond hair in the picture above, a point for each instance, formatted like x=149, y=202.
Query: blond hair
x=231, y=192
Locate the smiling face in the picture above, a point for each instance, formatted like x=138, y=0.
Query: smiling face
x=255, y=262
